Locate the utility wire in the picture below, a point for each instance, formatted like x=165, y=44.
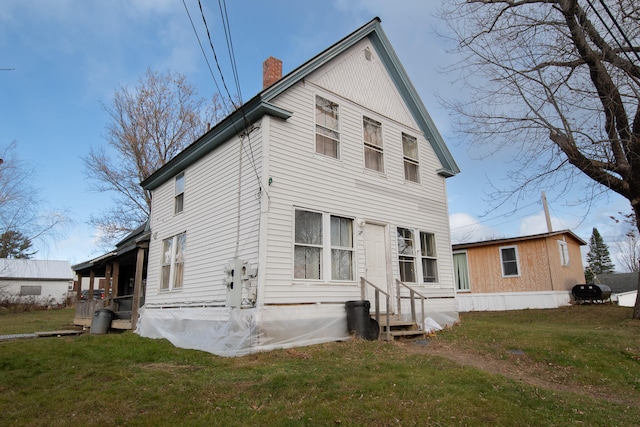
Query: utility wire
x=227, y=32
x=624, y=35
x=606, y=26
x=202, y=48
x=215, y=57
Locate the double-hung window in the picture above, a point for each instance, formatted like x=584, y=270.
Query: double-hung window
x=179, y=194
x=373, y=158
x=429, y=259
x=509, y=260
x=319, y=255
x=173, y=255
x=564, y=253
x=406, y=255
x=410, y=154
x=327, y=127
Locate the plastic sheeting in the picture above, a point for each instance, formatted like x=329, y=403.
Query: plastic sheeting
x=237, y=332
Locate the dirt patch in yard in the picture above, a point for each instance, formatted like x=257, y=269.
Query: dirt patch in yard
x=517, y=366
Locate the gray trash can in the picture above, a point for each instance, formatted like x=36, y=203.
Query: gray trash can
x=101, y=322
x=358, y=319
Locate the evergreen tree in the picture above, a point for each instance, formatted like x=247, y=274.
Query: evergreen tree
x=14, y=244
x=598, y=258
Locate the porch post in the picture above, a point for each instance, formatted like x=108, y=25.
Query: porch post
x=92, y=277
x=79, y=286
x=115, y=276
x=137, y=287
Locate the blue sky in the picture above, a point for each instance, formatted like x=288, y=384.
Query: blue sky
x=69, y=56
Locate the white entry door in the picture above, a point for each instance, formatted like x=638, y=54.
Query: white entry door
x=376, y=259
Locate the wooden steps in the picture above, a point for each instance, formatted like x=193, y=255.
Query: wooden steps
x=399, y=329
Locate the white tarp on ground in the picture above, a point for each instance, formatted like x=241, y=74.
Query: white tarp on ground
x=238, y=332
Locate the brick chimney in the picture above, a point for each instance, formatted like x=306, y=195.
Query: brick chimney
x=271, y=71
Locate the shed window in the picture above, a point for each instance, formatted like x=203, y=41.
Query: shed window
x=509, y=260
x=461, y=271
x=564, y=253
x=327, y=127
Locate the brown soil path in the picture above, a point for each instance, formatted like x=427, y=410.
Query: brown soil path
x=519, y=367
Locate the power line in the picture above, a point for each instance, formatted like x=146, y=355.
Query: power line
x=227, y=32
x=215, y=57
x=201, y=48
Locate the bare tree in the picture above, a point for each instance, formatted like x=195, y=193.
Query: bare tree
x=23, y=214
x=148, y=126
x=557, y=83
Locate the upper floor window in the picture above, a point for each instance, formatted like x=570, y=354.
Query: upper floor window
x=429, y=259
x=327, y=127
x=179, y=193
x=410, y=154
x=173, y=254
x=564, y=253
x=509, y=260
x=318, y=255
x=406, y=255
x=373, y=158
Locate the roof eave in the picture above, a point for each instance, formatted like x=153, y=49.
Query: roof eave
x=222, y=132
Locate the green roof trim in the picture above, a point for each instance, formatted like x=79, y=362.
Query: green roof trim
x=260, y=105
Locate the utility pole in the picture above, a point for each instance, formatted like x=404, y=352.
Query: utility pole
x=546, y=212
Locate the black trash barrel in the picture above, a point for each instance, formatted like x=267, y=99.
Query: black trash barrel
x=358, y=322
x=101, y=322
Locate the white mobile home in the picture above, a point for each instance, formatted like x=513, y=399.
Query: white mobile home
x=42, y=282
x=329, y=181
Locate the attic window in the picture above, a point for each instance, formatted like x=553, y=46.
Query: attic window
x=367, y=54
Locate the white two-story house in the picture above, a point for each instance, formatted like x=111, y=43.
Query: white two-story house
x=265, y=226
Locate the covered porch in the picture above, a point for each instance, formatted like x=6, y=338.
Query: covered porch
x=122, y=274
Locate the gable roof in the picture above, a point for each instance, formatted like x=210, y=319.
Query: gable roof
x=260, y=105
x=504, y=241
x=35, y=269
x=620, y=282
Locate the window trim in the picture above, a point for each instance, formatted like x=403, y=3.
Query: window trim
x=563, y=247
x=173, y=262
x=409, y=160
x=178, y=198
x=517, y=261
x=337, y=130
x=369, y=145
x=326, y=248
x=456, y=282
x=406, y=257
x=433, y=258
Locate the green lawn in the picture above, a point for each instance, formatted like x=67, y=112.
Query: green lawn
x=119, y=379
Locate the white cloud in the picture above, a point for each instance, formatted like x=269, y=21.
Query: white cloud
x=466, y=228
x=535, y=224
